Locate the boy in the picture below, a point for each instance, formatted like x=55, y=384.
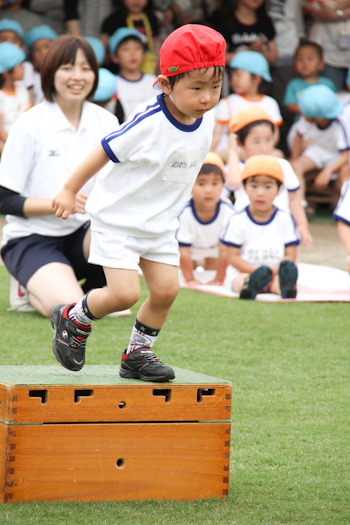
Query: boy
x=203, y=221
x=308, y=64
x=128, y=52
x=134, y=206
x=247, y=71
x=322, y=138
x=262, y=239
x=342, y=216
x=14, y=97
x=38, y=41
x=252, y=131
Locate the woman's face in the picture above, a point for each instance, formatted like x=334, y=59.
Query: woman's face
x=74, y=82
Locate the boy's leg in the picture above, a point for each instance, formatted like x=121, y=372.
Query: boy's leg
x=138, y=360
x=72, y=322
x=302, y=165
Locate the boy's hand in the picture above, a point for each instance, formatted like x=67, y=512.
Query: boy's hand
x=192, y=284
x=323, y=178
x=65, y=203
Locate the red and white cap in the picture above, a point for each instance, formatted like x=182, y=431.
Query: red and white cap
x=191, y=46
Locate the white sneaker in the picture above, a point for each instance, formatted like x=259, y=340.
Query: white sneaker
x=18, y=297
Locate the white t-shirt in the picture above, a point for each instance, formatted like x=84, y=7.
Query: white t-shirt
x=261, y=243
x=203, y=237
x=229, y=106
x=131, y=94
x=291, y=183
x=41, y=151
x=325, y=144
x=342, y=210
x=13, y=105
x=157, y=160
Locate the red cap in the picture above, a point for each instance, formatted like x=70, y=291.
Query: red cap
x=191, y=46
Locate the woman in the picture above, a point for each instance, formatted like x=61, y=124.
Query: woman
x=45, y=254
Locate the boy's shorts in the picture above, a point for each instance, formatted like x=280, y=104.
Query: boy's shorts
x=120, y=250
x=25, y=255
x=320, y=156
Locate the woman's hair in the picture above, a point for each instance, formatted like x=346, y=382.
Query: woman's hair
x=62, y=51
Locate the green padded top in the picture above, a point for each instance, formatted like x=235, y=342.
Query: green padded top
x=89, y=375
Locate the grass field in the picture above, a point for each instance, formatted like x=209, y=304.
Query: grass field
x=290, y=441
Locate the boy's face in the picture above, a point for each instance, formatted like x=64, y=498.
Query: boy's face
x=207, y=190
x=307, y=62
x=242, y=81
x=320, y=122
x=259, y=141
x=261, y=190
x=12, y=37
x=193, y=95
x=130, y=55
x=38, y=51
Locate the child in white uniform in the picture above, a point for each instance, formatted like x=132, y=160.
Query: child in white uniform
x=342, y=216
x=247, y=70
x=262, y=239
x=202, y=223
x=252, y=130
x=14, y=97
x=127, y=50
x=322, y=140
x=134, y=206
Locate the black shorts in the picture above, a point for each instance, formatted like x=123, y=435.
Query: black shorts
x=25, y=255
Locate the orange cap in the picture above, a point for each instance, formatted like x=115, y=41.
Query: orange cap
x=214, y=158
x=262, y=165
x=246, y=116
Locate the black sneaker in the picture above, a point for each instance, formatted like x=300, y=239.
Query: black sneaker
x=69, y=341
x=143, y=364
x=256, y=281
x=288, y=275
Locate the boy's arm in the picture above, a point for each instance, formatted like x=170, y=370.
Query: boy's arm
x=233, y=180
x=344, y=235
x=221, y=266
x=217, y=134
x=299, y=215
x=297, y=147
x=65, y=200
x=186, y=265
x=323, y=178
x=234, y=258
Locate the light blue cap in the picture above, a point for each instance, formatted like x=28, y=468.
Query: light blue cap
x=98, y=48
x=319, y=101
x=106, y=87
x=10, y=56
x=252, y=61
x=6, y=24
x=39, y=32
x=121, y=34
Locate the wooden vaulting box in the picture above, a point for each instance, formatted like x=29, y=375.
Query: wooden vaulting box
x=92, y=435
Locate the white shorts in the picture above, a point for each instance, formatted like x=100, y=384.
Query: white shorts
x=120, y=250
x=320, y=156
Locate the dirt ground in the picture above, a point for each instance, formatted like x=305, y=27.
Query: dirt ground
x=327, y=249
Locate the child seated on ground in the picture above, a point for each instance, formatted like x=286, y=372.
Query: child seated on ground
x=252, y=131
x=38, y=41
x=262, y=240
x=342, y=216
x=203, y=221
x=308, y=63
x=11, y=31
x=247, y=71
x=322, y=138
x=14, y=97
x=127, y=52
